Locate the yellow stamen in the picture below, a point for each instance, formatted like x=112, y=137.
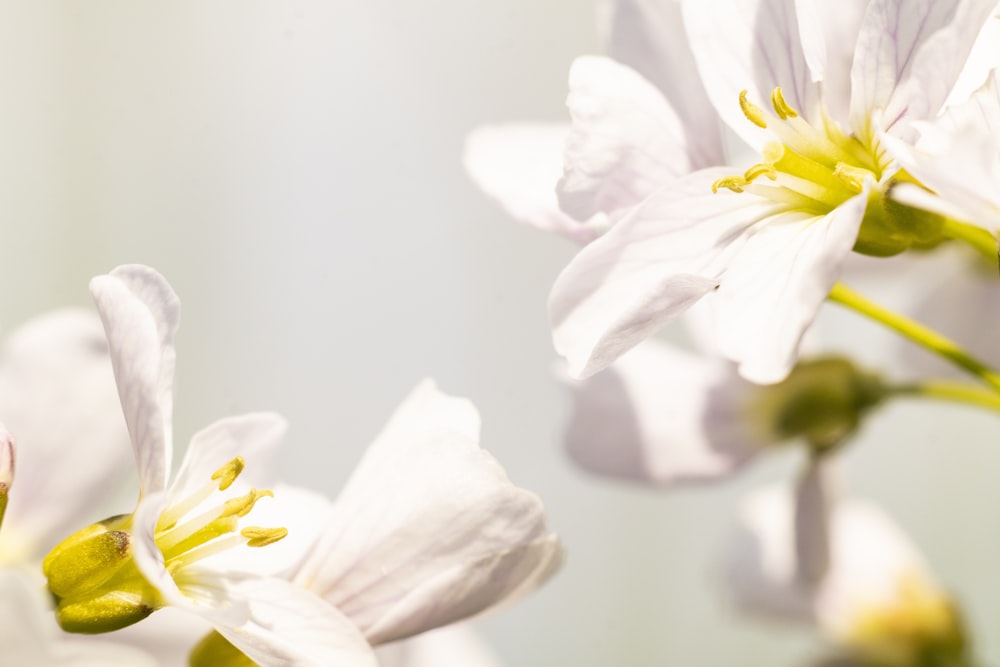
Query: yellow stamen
x=753, y=112
x=734, y=183
x=228, y=473
x=261, y=537
x=241, y=506
x=781, y=107
x=762, y=169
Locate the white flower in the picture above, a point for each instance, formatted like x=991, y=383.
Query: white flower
x=770, y=240
x=428, y=530
x=843, y=566
x=607, y=166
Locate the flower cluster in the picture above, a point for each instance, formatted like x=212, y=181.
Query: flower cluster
x=726, y=162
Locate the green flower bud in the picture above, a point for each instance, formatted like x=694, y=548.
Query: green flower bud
x=216, y=651
x=890, y=227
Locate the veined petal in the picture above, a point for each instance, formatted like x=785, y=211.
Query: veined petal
x=908, y=57
x=649, y=37
x=254, y=437
x=773, y=290
x=141, y=313
x=57, y=392
x=661, y=415
x=519, y=164
x=289, y=626
x=829, y=32
x=429, y=529
x=756, y=48
x=652, y=265
x=625, y=140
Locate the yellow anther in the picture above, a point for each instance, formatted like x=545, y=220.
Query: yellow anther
x=762, y=169
x=781, y=107
x=852, y=177
x=228, y=473
x=753, y=112
x=261, y=537
x=241, y=506
x=734, y=183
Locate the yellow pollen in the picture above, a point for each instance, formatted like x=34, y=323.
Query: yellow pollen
x=241, y=506
x=781, y=107
x=261, y=537
x=734, y=183
x=762, y=169
x=228, y=473
x=753, y=112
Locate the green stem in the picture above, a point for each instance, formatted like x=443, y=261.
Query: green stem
x=948, y=391
x=977, y=237
x=916, y=332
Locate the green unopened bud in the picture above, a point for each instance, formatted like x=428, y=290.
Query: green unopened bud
x=112, y=611
x=85, y=560
x=822, y=400
x=890, y=227
x=216, y=651
x=6, y=468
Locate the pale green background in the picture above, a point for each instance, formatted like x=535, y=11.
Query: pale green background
x=294, y=169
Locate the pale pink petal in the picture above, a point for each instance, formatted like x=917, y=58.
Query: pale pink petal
x=141, y=313
x=649, y=37
x=253, y=437
x=291, y=627
x=662, y=415
x=648, y=268
x=625, y=142
x=519, y=165
x=454, y=645
x=57, y=392
x=814, y=500
x=909, y=55
x=755, y=48
x=773, y=290
x=429, y=529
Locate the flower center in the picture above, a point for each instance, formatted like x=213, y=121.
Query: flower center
x=95, y=581
x=813, y=169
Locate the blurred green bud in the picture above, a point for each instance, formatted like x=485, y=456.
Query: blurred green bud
x=890, y=227
x=216, y=651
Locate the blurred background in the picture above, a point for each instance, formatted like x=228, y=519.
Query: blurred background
x=294, y=169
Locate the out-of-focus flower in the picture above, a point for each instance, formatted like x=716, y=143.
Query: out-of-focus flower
x=603, y=167
x=844, y=566
x=662, y=415
x=57, y=394
x=453, y=645
x=429, y=530
x=769, y=241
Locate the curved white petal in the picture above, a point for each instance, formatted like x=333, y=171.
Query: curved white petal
x=29, y=636
x=625, y=141
x=661, y=415
x=289, y=626
x=428, y=529
x=908, y=58
x=649, y=267
x=254, y=437
x=829, y=32
x=57, y=392
x=453, y=645
x=649, y=37
x=519, y=164
x=141, y=313
x=773, y=290
x=755, y=48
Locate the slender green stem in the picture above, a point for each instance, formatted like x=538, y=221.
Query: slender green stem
x=977, y=237
x=916, y=332
x=948, y=391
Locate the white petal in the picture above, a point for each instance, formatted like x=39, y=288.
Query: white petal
x=983, y=58
x=57, y=392
x=453, y=645
x=649, y=267
x=626, y=140
x=829, y=32
x=429, y=529
x=813, y=507
x=756, y=48
x=908, y=57
x=254, y=437
x=649, y=37
x=519, y=165
x=661, y=415
x=773, y=290
x=141, y=313
x=289, y=627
